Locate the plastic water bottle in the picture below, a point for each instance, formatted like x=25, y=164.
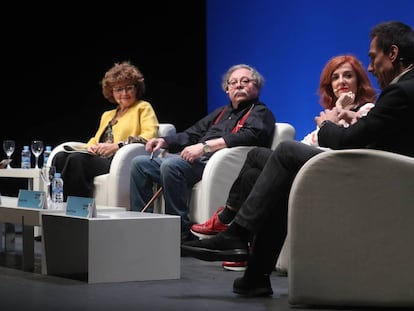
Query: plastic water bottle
x=46, y=154
x=26, y=157
x=57, y=192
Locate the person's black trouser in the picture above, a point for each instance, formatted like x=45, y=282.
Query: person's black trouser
x=265, y=210
x=78, y=172
x=252, y=167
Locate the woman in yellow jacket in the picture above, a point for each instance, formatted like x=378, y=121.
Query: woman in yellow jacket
x=133, y=120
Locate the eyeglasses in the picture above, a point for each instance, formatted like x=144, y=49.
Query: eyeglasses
x=127, y=88
x=243, y=82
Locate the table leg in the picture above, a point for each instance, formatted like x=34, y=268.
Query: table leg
x=9, y=237
x=28, y=248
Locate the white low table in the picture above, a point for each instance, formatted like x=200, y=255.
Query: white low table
x=29, y=218
x=34, y=182
x=113, y=247
x=34, y=179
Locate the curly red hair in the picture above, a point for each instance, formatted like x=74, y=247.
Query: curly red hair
x=365, y=90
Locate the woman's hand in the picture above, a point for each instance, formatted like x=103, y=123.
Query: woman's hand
x=345, y=100
x=104, y=150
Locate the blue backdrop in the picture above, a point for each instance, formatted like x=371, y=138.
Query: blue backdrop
x=289, y=42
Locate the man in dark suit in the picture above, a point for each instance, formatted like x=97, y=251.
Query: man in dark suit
x=388, y=127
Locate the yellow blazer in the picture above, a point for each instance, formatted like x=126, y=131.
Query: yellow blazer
x=139, y=120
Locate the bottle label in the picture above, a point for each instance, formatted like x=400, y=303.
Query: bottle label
x=57, y=193
x=45, y=157
x=26, y=159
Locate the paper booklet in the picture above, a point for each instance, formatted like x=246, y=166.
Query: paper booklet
x=82, y=149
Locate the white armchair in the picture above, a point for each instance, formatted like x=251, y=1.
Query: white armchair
x=350, y=229
x=220, y=173
x=218, y=177
x=112, y=189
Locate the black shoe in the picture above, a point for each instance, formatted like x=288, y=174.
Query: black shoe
x=220, y=247
x=187, y=236
x=254, y=287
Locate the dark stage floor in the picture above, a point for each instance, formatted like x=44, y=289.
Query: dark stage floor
x=202, y=286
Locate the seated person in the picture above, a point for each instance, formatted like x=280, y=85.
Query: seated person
x=244, y=122
x=133, y=118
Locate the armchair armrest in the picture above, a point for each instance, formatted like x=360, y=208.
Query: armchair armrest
x=58, y=148
x=218, y=176
x=221, y=171
x=283, y=131
x=112, y=189
x=350, y=227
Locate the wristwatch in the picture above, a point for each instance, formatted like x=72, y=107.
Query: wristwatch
x=121, y=144
x=206, y=147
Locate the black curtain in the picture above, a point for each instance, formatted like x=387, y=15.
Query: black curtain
x=53, y=63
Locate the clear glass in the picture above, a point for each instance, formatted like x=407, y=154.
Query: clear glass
x=8, y=147
x=48, y=173
x=37, y=149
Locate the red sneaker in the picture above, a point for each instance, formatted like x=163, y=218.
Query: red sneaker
x=210, y=227
x=234, y=265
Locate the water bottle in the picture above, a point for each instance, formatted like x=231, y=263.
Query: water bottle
x=26, y=157
x=46, y=154
x=57, y=192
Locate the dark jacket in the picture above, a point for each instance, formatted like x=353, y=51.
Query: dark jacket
x=257, y=130
x=388, y=126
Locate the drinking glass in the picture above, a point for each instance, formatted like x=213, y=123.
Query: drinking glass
x=37, y=149
x=48, y=173
x=8, y=147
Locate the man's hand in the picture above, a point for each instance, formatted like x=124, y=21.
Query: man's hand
x=347, y=117
x=193, y=152
x=327, y=115
x=4, y=163
x=154, y=144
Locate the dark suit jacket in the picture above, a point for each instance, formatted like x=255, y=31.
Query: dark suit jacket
x=388, y=126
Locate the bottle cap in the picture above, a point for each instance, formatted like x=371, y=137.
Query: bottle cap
x=57, y=175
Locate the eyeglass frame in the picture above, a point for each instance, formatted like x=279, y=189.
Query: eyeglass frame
x=244, y=81
x=127, y=88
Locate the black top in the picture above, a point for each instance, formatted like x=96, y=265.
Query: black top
x=388, y=126
x=257, y=130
